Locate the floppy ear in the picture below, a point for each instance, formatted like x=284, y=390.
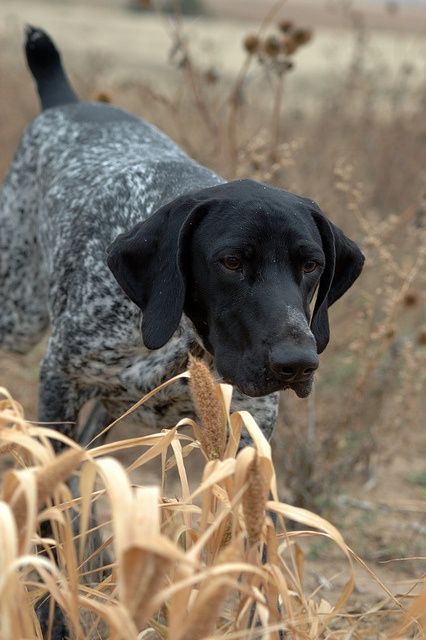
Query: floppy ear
x=147, y=263
x=344, y=262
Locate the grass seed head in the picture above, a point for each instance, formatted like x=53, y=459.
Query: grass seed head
x=289, y=46
x=227, y=533
x=251, y=43
x=271, y=46
x=254, y=501
x=285, y=26
x=302, y=36
x=411, y=298
x=209, y=409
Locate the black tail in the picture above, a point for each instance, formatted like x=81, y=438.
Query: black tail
x=45, y=64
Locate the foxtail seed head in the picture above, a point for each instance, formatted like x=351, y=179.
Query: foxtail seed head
x=254, y=501
x=209, y=408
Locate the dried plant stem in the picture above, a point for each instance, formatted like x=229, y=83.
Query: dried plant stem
x=234, y=113
x=194, y=79
x=276, y=118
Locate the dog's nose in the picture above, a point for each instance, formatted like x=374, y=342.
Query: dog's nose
x=293, y=363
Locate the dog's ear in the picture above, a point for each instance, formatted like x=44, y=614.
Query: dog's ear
x=148, y=264
x=344, y=262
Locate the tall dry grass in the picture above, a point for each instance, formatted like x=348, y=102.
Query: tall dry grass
x=206, y=564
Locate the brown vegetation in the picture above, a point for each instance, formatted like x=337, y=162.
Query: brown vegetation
x=171, y=568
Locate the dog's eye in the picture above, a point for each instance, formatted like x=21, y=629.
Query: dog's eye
x=310, y=266
x=232, y=263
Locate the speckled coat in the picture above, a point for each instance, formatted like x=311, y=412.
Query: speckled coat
x=83, y=173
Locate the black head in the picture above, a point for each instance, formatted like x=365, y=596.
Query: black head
x=243, y=261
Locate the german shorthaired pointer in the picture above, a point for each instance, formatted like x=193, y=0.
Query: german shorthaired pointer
x=109, y=231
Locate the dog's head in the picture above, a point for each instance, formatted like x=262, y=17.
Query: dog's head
x=243, y=261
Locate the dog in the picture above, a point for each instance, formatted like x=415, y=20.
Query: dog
x=135, y=255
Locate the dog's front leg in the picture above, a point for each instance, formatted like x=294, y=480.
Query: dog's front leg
x=59, y=403
x=264, y=410
x=60, y=398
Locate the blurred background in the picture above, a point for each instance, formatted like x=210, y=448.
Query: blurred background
x=327, y=99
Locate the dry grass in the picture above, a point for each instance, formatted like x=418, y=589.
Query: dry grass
x=210, y=564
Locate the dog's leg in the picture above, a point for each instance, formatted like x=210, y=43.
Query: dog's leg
x=91, y=426
x=264, y=410
x=59, y=403
x=97, y=420
x=94, y=423
x=23, y=283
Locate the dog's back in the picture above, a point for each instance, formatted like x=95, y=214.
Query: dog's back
x=83, y=173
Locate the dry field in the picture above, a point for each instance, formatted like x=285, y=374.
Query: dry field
x=346, y=126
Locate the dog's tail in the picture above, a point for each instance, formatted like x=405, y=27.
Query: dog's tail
x=45, y=64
